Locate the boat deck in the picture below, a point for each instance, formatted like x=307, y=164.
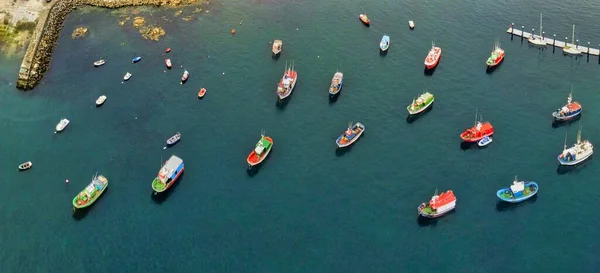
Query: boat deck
x=552, y=42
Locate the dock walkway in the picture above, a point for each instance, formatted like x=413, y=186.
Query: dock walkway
x=552, y=42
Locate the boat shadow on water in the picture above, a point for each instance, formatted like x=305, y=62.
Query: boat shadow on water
x=505, y=206
x=79, y=214
x=424, y=221
x=559, y=123
x=161, y=197
x=467, y=145
x=429, y=72
x=382, y=53
x=334, y=98
x=282, y=103
x=253, y=170
x=490, y=70
x=412, y=118
x=564, y=169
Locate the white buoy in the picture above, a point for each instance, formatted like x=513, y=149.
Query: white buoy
x=67, y=181
x=135, y=117
x=164, y=148
x=223, y=73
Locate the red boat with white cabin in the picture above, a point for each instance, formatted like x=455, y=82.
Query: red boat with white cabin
x=433, y=57
x=438, y=205
x=287, y=82
x=480, y=130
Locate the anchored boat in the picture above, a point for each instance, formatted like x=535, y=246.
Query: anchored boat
x=277, y=47
x=571, y=110
x=62, y=124
x=25, y=166
x=184, y=77
x=433, y=57
x=168, y=174
x=91, y=193
x=571, y=49
x=168, y=50
x=127, y=76
x=538, y=40
x=421, y=104
x=519, y=191
x=201, y=93
x=478, y=131
x=579, y=152
x=411, y=24
x=174, y=139
x=287, y=82
x=438, y=205
x=136, y=59
x=261, y=150
x=336, y=84
x=485, y=141
x=496, y=57
x=351, y=135
x=385, y=43
x=101, y=100
x=99, y=63
x=168, y=63
x=363, y=18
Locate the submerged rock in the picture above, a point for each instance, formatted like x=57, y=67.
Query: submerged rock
x=139, y=21
x=79, y=32
x=153, y=33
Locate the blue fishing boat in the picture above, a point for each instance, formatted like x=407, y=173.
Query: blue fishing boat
x=351, y=135
x=136, y=59
x=518, y=192
x=571, y=110
x=385, y=43
x=336, y=84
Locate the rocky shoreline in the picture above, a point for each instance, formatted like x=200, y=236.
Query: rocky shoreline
x=39, y=52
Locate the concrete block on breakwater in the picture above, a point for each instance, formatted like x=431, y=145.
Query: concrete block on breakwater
x=39, y=52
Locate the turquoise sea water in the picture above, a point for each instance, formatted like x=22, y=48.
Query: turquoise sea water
x=308, y=208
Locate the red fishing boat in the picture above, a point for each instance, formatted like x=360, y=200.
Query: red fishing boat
x=478, y=131
x=438, y=205
x=287, y=82
x=433, y=57
x=363, y=18
x=496, y=57
x=168, y=63
x=201, y=92
x=168, y=50
x=261, y=150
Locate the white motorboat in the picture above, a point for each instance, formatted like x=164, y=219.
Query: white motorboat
x=537, y=40
x=99, y=63
x=127, y=76
x=485, y=141
x=411, y=24
x=579, y=152
x=25, y=166
x=572, y=48
x=100, y=100
x=62, y=124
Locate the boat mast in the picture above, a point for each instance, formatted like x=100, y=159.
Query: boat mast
x=579, y=134
x=573, y=36
x=540, y=25
x=565, y=145
x=516, y=178
x=262, y=132
x=475, y=124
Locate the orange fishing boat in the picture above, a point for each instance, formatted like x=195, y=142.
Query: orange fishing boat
x=363, y=18
x=201, y=92
x=433, y=56
x=478, y=131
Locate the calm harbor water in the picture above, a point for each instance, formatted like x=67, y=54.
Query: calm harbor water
x=308, y=208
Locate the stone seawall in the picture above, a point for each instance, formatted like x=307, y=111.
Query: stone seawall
x=39, y=52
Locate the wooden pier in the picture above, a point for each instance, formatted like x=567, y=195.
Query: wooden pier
x=553, y=42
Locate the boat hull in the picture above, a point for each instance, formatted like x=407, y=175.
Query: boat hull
x=354, y=139
x=254, y=159
x=173, y=181
x=483, y=143
x=365, y=20
x=501, y=193
x=201, y=93
x=435, y=215
x=423, y=109
x=91, y=201
x=283, y=96
x=136, y=59
x=25, y=166
x=573, y=115
x=495, y=63
x=168, y=63
x=574, y=162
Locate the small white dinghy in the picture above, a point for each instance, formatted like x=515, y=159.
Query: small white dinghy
x=485, y=141
x=25, y=166
x=411, y=24
x=62, y=124
x=127, y=76
x=99, y=63
x=100, y=100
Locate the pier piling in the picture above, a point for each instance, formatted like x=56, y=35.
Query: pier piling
x=522, y=27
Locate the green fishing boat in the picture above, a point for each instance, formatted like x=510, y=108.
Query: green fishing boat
x=91, y=193
x=420, y=104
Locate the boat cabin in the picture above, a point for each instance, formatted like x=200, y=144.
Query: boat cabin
x=261, y=146
x=517, y=188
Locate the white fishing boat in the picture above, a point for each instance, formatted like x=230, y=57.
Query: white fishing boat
x=485, y=141
x=62, y=124
x=25, y=166
x=537, y=40
x=411, y=24
x=100, y=100
x=579, y=152
x=99, y=63
x=571, y=48
x=127, y=76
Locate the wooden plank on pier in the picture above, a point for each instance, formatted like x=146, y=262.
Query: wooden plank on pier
x=557, y=43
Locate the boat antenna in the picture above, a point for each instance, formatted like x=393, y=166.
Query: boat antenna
x=579, y=133
x=565, y=145
x=476, y=109
x=262, y=132
x=516, y=178
x=285, y=69
x=292, y=64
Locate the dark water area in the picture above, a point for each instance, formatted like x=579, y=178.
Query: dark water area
x=309, y=207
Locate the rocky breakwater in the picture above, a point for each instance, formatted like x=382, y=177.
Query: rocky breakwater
x=39, y=53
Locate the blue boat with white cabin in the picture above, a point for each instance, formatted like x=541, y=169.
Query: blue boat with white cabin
x=136, y=59
x=519, y=191
x=351, y=135
x=336, y=84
